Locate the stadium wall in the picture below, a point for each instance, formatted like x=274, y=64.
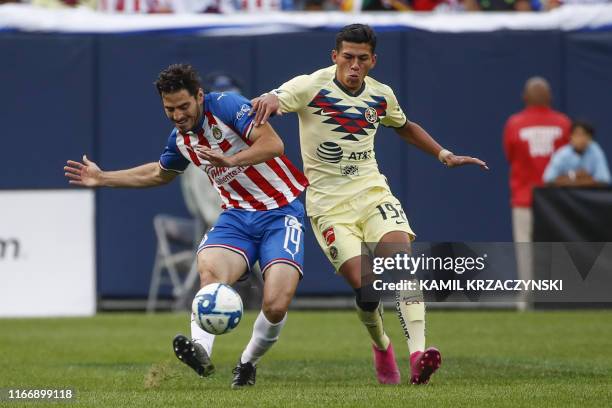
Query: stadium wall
x=65, y=95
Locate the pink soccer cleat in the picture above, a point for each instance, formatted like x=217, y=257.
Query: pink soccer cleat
x=423, y=364
x=386, y=367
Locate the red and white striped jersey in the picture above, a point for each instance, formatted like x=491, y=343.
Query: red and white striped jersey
x=226, y=127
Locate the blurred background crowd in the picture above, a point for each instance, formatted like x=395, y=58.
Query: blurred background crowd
x=232, y=6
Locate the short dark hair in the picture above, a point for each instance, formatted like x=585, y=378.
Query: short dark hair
x=356, y=33
x=177, y=77
x=584, y=125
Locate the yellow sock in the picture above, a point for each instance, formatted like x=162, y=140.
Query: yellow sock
x=373, y=322
x=411, y=313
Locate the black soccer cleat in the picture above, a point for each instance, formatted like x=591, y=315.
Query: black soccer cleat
x=244, y=375
x=193, y=354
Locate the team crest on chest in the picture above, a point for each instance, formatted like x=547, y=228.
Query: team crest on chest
x=216, y=132
x=371, y=115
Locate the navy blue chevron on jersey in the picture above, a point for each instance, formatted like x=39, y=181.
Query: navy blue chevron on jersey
x=226, y=127
x=347, y=122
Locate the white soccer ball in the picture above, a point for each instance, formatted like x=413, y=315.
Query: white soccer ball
x=217, y=308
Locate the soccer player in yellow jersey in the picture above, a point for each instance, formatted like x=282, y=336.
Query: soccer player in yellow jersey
x=348, y=200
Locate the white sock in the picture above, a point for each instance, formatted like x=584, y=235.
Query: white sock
x=201, y=336
x=416, y=340
x=411, y=312
x=265, y=334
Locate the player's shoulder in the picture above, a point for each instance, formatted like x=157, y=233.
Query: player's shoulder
x=220, y=100
x=378, y=86
x=307, y=85
x=171, y=142
x=172, y=135
x=318, y=77
x=326, y=73
x=225, y=105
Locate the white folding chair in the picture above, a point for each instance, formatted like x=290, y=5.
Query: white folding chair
x=174, y=257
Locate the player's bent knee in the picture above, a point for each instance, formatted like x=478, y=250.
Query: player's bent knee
x=207, y=277
x=274, y=312
x=280, y=283
x=367, y=306
x=366, y=300
x=208, y=274
x=276, y=304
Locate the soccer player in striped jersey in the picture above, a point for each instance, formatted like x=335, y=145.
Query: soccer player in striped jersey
x=259, y=186
x=349, y=201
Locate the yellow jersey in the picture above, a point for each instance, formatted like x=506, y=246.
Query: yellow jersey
x=337, y=129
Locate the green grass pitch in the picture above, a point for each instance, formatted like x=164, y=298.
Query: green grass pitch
x=323, y=359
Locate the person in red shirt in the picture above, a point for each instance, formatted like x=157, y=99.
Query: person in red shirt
x=530, y=138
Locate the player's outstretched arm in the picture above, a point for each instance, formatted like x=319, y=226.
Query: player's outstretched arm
x=266, y=145
x=416, y=135
x=88, y=174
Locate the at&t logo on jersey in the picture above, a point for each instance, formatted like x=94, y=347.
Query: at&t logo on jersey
x=361, y=155
x=330, y=152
